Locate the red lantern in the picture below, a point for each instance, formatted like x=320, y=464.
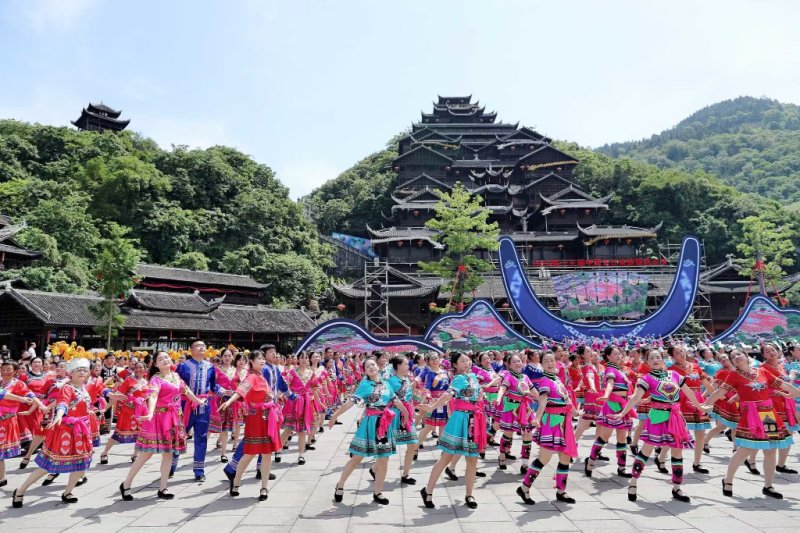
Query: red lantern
x=341, y=307
x=399, y=244
x=505, y=305
x=560, y=246
x=563, y=211
x=416, y=212
x=420, y=243
x=587, y=211
x=628, y=241
x=605, y=241
x=432, y=305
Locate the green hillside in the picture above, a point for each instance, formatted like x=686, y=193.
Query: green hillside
x=752, y=144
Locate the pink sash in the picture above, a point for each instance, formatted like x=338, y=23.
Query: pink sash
x=80, y=426
x=752, y=420
x=571, y=448
x=478, y=411
x=270, y=411
x=384, y=422
x=409, y=420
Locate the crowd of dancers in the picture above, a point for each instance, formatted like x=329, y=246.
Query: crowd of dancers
x=653, y=402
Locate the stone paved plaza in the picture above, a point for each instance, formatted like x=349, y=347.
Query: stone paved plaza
x=301, y=499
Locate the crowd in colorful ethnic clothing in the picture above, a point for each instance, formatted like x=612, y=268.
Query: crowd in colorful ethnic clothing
x=653, y=402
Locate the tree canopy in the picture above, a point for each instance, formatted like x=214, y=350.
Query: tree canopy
x=184, y=207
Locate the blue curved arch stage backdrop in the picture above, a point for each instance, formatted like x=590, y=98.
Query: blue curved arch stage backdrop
x=674, y=311
x=762, y=320
x=480, y=326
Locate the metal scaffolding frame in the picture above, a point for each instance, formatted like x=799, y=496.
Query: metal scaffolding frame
x=377, y=316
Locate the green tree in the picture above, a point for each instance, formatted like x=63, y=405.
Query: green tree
x=191, y=260
x=114, y=271
x=774, y=244
x=463, y=227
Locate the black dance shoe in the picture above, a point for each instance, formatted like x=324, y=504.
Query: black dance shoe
x=562, y=497
x=338, y=494
x=407, y=480
x=772, y=493
x=69, y=498
x=164, y=495
x=125, y=493
x=471, y=503
x=378, y=498
x=784, y=470
x=525, y=495
x=677, y=494
x=427, y=499
x=450, y=474
x=699, y=469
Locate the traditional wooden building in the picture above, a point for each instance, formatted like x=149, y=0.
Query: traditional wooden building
x=12, y=254
x=152, y=318
x=525, y=182
x=237, y=289
x=100, y=117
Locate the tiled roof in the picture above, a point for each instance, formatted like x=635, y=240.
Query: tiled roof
x=69, y=310
x=619, y=231
x=544, y=236
x=11, y=249
x=197, y=276
x=588, y=204
x=401, y=233
x=172, y=301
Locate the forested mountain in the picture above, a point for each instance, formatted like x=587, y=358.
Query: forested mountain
x=694, y=203
x=213, y=208
x=752, y=144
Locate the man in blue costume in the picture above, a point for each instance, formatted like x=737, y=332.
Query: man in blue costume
x=200, y=376
x=274, y=377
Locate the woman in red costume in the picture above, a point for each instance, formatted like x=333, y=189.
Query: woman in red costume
x=68, y=444
x=261, y=424
x=131, y=396
x=13, y=394
x=760, y=427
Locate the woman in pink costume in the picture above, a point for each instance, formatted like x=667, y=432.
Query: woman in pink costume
x=161, y=429
x=514, y=400
x=553, y=433
x=665, y=425
x=615, y=388
x=298, y=413
x=224, y=423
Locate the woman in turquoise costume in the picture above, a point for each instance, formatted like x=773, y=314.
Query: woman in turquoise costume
x=373, y=437
x=402, y=386
x=465, y=433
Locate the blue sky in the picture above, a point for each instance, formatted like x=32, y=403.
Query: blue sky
x=311, y=87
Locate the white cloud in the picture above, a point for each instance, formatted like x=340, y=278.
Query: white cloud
x=55, y=15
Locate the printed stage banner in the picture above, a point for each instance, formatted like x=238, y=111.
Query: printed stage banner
x=601, y=294
x=760, y=321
